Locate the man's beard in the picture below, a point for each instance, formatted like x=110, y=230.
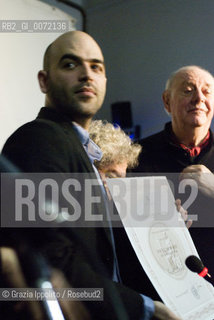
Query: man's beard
x=71, y=106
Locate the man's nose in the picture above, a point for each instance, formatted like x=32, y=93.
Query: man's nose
x=86, y=73
x=198, y=96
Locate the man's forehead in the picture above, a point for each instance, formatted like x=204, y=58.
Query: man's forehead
x=83, y=47
x=194, y=76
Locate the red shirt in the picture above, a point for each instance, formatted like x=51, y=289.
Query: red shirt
x=195, y=151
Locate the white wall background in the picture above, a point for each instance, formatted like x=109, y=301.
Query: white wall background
x=143, y=42
x=21, y=58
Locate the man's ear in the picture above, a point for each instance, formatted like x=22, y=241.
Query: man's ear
x=166, y=100
x=43, y=80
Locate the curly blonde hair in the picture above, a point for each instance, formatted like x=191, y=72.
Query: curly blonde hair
x=115, y=144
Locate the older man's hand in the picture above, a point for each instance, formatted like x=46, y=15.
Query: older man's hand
x=163, y=313
x=202, y=176
x=183, y=213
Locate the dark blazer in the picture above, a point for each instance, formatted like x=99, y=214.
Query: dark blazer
x=161, y=155
x=50, y=144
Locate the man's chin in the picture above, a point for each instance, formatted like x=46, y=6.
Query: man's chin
x=84, y=110
x=199, y=122
x=87, y=108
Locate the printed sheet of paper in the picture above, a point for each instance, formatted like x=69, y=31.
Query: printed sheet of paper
x=162, y=243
